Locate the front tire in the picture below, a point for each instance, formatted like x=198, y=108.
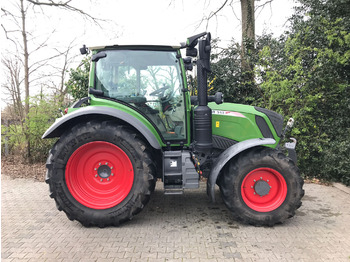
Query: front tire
x=100, y=174
x=261, y=187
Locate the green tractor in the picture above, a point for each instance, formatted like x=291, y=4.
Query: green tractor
x=139, y=125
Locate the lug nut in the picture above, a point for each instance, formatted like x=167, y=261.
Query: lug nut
x=96, y=175
x=111, y=167
x=107, y=179
x=106, y=163
x=99, y=164
x=95, y=168
x=101, y=180
x=112, y=174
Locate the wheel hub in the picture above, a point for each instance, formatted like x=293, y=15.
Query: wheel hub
x=92, y=177
x=104, y=171
x=262, y=188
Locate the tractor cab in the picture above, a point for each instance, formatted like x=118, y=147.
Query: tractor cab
x=147, y=79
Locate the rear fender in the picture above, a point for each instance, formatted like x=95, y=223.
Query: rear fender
x=227, y=155
x=67, y=121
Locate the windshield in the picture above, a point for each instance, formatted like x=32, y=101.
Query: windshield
x=148, y=80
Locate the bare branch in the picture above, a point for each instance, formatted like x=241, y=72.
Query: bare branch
x=263, y=5
x=8, y=13
x=43, y=44
x=13, y=83
x=41, y=63
x=67, y=6
x=7, y=35
x=212, y=14
x=233, y=11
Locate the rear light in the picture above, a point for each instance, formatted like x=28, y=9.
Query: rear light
x=66, y=111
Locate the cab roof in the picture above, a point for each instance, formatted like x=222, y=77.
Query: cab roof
x=135, y=46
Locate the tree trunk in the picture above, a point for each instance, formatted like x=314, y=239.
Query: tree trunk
x=26, y=59
x=248, y=32
x=26, y=76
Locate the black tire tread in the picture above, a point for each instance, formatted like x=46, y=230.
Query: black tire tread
x=144, y=165
x=233, y=201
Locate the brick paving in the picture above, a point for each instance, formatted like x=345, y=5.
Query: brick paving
x=172, y=228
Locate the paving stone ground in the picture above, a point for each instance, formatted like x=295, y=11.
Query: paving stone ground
x=172, y=228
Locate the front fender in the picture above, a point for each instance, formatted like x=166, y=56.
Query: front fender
x=228, y=154
x=61, y=124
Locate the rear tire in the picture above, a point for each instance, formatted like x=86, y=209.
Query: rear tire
x=261, y=187
x=100, y=174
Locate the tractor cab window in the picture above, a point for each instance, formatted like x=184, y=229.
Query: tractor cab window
x=149, y=81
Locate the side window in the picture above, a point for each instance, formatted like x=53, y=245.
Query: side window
x=116, y=81
x=125, y=81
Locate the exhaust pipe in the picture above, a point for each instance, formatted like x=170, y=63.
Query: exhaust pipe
x=202, y=113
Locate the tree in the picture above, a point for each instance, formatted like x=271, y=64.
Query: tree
x=248, y=11
x=245, y=78
x=78, y=82
x=16, y=31
x=59, y=87
x=313, y=86
x=20, y=26
x=229, y=77
x=25, y=46
x=12, y=85
x=304, y=74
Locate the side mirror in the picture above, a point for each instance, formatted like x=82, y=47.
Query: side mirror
x=191, y=51
x=204, y=52
x=98, y=56
x=193, y=40
x=84, y=50
x=191, y=43
x=188, y=63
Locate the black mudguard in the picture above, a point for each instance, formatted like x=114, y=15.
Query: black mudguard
x=61, y=124
x=228, y=154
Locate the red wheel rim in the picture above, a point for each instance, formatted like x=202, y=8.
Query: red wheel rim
x=264, y=189
x=99, y=175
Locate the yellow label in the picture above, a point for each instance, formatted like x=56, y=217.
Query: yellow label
x=217, y=123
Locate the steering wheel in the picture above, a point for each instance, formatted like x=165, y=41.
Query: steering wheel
x=160, y=91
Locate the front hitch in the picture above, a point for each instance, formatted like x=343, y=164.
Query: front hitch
x=290, y=146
